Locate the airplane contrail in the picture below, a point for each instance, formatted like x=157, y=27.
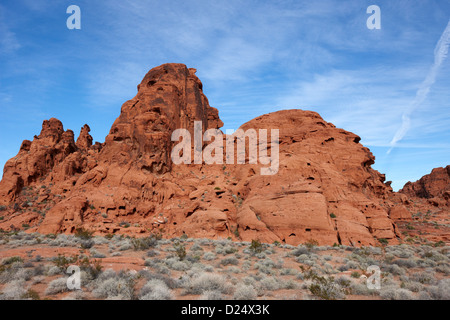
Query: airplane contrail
x=440, y=53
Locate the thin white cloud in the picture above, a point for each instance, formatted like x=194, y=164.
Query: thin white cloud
x=366, y=101
x=440, y=53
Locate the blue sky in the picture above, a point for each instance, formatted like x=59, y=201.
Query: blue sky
x=253, y=57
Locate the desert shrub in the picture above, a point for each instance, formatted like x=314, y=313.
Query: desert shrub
x=31, y=295
x=443, y=268
x=289, y=284
x=246, y=265
x=95, y=254
x=208, y=268
x=208, y=256
x=245, y=292
x=204, y=241
x=38, y=270
x=91, y=267
x=326, y=288
x=362, y=289
x=152, y=262
x=14, y=290
x=152, y=253
x=175, y=264
x=219, y=249
x=342, y=268
x=269, y=283
x=107, y=274
x=162, y=269
x=401, y=252
x=256, y=247
x=180, y=250
x=57, y=286
x=211, y=295
x=302, y=258
x=184, y=237
x=193, y=258
x=76, y=295
x=288, y=271
x=375, y=250
x=328, y=268
x=352, y=265
x=170, y=283
x=87, y=243
x=261, y=255
x=423, y=295
x=63, y=262
x=116, y=288
x=344, y=281
x=311, y=243
x=83, y=234
x=155, y=289
x=100, y=240
x=426, y=263
x=441, y=291
x=233, y=269
x=229, y=249
x=11, y=260
x=426, y=277
x=23, y=274
x=264, y=268
x=300, y=250
x=229, y=261
x=123, y=244
x=413, y=286
x=196, y=247
x=124, y=224
x=396, y=294
x=249, y=280
x=406, y=263
x=207, y=282
x=140, y=244
x=393, y=269
x=269, y=263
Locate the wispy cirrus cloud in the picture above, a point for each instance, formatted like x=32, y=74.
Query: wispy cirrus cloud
x=440, y=54
x=367, y=101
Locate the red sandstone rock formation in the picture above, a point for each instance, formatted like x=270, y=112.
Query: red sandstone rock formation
x=434, y=186
x=428, y=201
x=325, y=189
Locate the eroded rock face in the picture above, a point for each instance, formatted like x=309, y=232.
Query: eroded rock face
x=36, y=159
x=428, y=201
x=169, y=97
x=434, y=186
x=324, y=190
x=84, y=141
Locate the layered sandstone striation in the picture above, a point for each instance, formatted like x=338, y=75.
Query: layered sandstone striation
x=324, y=190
